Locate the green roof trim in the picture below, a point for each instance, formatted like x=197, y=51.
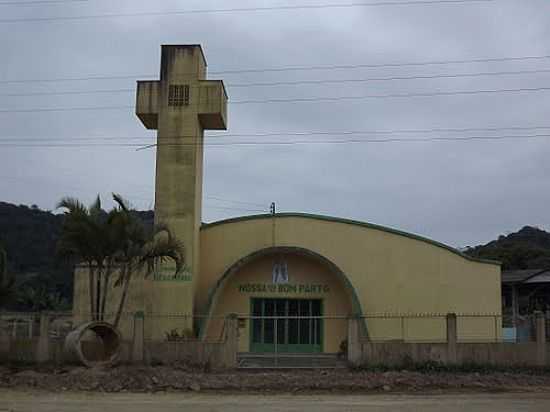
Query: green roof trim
x=350, y=222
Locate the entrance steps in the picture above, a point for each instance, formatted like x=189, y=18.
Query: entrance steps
x=290, y=360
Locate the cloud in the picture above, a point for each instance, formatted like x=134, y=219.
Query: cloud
x=459, y=193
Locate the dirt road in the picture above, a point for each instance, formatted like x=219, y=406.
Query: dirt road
x=85, y=402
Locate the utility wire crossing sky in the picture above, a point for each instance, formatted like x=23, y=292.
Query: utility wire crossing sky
x=428, y=116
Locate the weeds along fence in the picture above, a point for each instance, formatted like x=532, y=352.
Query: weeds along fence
x=176, y=337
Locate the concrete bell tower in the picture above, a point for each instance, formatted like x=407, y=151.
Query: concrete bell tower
x=180, y=107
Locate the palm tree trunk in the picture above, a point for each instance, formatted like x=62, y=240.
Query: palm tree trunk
x=127, y=276
x=91, y=276
x=98, y=292
x=108, y=272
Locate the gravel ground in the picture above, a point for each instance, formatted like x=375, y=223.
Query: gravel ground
x=35, y=400
x=176, y=378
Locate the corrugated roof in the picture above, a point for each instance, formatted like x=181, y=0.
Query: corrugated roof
x=520, y=276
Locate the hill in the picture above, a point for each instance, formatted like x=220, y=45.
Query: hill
x=529, y=248
x=29, y=236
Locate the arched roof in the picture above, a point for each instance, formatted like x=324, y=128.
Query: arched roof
x=207, y=226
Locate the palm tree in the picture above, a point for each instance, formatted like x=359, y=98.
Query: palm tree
x=113, y=242
x=84, y=238
x=6, y=280
x=141, y=249
x=39, y=298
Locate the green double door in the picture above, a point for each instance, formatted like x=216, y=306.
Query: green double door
x=286, y=325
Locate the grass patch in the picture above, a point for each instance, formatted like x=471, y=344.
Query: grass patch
x=438, y=367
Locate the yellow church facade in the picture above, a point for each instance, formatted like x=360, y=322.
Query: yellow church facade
x=352, y=268
x=347, y=268
x=288, y=277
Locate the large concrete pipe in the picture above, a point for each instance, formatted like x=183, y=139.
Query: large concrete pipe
x=93, y=344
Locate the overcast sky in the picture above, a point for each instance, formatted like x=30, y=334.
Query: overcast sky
x=460, y=193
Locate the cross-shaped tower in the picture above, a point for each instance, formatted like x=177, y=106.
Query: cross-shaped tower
x=180, y=107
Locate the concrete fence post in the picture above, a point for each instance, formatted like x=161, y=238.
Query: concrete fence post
x=231, y=341
x=5, y=341
x=138, y=344
x=43, y=347
x=541, y=338
x=451, y=338
x=354, y=341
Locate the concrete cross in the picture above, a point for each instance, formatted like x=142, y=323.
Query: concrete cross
x=180, y=107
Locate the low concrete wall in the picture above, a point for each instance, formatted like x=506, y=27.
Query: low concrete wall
x=18, y=349
x=25, y=350
x=223, y=353
x=397, y=353
x=47, y=349
x=364, y=352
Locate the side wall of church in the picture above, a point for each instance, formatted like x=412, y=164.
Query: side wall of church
x=391, y=272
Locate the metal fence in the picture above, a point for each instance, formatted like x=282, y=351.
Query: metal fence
x=279, y=333
x=269, y=341
x=165, y=338
x=19, y=325
x=523, y=328
x=431, y=327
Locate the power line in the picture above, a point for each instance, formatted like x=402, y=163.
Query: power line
x=298, y=82
x=390, y=96
x=382, y=65
x=289, y=143
x=286, y=134
x=222, y=199
x=150, y=198
x=74, y=79
x=391, y=78
x=66, y=109
x=72, y=92
x=394, y=131
x=233, y=201
x=247, y=10
x=208, y=206
x=300, y=99
x=39, y=2
x=355, y=141
x=71, y=139
x=240, y=209
x=291, y=68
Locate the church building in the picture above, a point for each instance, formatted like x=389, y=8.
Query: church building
x=304, y=269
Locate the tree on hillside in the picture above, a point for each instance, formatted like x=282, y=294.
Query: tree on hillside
x=529, y=248
x=114, y=243
x=6, y=280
